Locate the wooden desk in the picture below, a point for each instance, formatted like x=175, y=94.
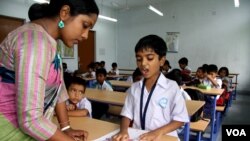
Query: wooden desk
x=96, y=128
x=109, y=97
x=118, y=98
x=117, y=83
x=88, y=79
x=213, y=93
x=193, y=106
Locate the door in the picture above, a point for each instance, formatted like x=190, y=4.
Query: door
x=7, y=24
x=86, y=52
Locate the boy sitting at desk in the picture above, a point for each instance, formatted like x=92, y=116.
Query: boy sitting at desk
x=99, y=109
x=155, y=103
x=114, y=70
x=78, y=104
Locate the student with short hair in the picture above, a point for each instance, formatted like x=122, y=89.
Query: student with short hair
x=211, y=79
x=166, y=68
x=185, y=69
x=90, y=73
x=78, y=105
x=114, y=70
x=100, y=109
x=101, y=82
x=223, y=75
x=155, y=103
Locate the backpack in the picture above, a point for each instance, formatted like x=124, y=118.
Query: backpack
x=196, y=95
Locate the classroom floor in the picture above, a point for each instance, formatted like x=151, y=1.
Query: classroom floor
x=236, y=114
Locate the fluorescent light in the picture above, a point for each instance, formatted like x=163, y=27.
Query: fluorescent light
x=42, y=1
x=155, y=10
x=236, y=3
x=107, y=18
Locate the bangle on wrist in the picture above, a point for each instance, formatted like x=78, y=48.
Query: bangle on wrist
x=65, y=128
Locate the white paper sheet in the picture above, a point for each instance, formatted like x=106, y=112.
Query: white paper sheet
x=133, y=134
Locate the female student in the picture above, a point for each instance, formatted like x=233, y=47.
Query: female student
x=155, y=103
x=31, y=82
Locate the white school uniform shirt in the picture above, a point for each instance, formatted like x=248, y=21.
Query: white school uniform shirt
x=87, y=73
x=116, y=71
x=209, y=83
x=84, y=104
x=166, y=104
x=104, y=86
x=185, y=94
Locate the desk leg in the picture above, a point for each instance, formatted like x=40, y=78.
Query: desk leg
x=186, y=131
x=212, y=135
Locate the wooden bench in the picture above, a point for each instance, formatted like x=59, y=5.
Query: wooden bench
x=199, y=127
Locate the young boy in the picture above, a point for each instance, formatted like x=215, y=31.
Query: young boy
x=101, y=83
x=99, y=109
x=91, y=72
x=211, y=79
x=155, y=102
x=185, y=69
x=114, y=70
x=78, y=104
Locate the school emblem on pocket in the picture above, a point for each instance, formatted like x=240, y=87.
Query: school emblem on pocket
x=163, y=102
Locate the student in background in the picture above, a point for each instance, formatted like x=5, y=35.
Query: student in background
x=200, y=75
x=166, y=109
x=31, y=84
x=114, y=70
x=78, y=105
x=101, y=82
x=223, y=75
x=91, y=72
x=136, y=76
x=175, y=75
x=100, y=109
x=185, y=69
x=211, y=79
x=102, y=63
x=166, y=68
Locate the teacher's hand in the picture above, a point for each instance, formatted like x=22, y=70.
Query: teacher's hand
x=78, y=135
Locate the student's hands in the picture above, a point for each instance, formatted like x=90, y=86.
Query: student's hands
x=151, y=136
x=71, y=107
x=121, y=136
x=78, y=135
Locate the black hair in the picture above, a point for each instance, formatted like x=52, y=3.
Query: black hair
x=175, y=75
x=153, y=42
x=203, y=69
x=91, y=65
x=101, y=71
x=102, y=62
x=183, y=60
x=86, y=7
x=167, y=63
x=224, y=68
x=77, y=80
x=212, y=68
x=114, y=64
x=136, y=73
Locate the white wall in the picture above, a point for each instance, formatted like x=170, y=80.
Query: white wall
x=106, y=31
x=211, y=31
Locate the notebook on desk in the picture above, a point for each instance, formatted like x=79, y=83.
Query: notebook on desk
x=133, y=134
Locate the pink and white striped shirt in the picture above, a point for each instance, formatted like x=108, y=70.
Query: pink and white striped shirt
x=29, y=51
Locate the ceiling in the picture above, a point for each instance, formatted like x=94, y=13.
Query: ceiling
x=127, y=4
x=120, y=4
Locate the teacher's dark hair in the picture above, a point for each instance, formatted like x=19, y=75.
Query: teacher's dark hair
x=86, y=7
